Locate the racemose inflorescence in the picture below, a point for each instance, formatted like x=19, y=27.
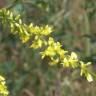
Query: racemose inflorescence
x=40, y=39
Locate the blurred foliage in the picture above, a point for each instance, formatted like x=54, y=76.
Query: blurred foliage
x=27, y=75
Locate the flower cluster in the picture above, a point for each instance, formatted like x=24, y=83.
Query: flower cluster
x=40, y=38
x=3, y=88
x=54, y=51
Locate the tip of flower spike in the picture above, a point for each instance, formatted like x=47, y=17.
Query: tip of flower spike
x=89, y=77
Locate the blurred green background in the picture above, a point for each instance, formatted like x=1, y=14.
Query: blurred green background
x=74, y=23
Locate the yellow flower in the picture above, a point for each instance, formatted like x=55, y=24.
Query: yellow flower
x=3, y=88
x=2, y=80
x=54, y=61
x=46, y=30
x=70, y=60
x=24, y=39
x=37, y=43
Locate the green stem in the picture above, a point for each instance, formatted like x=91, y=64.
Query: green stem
x=87, y=32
